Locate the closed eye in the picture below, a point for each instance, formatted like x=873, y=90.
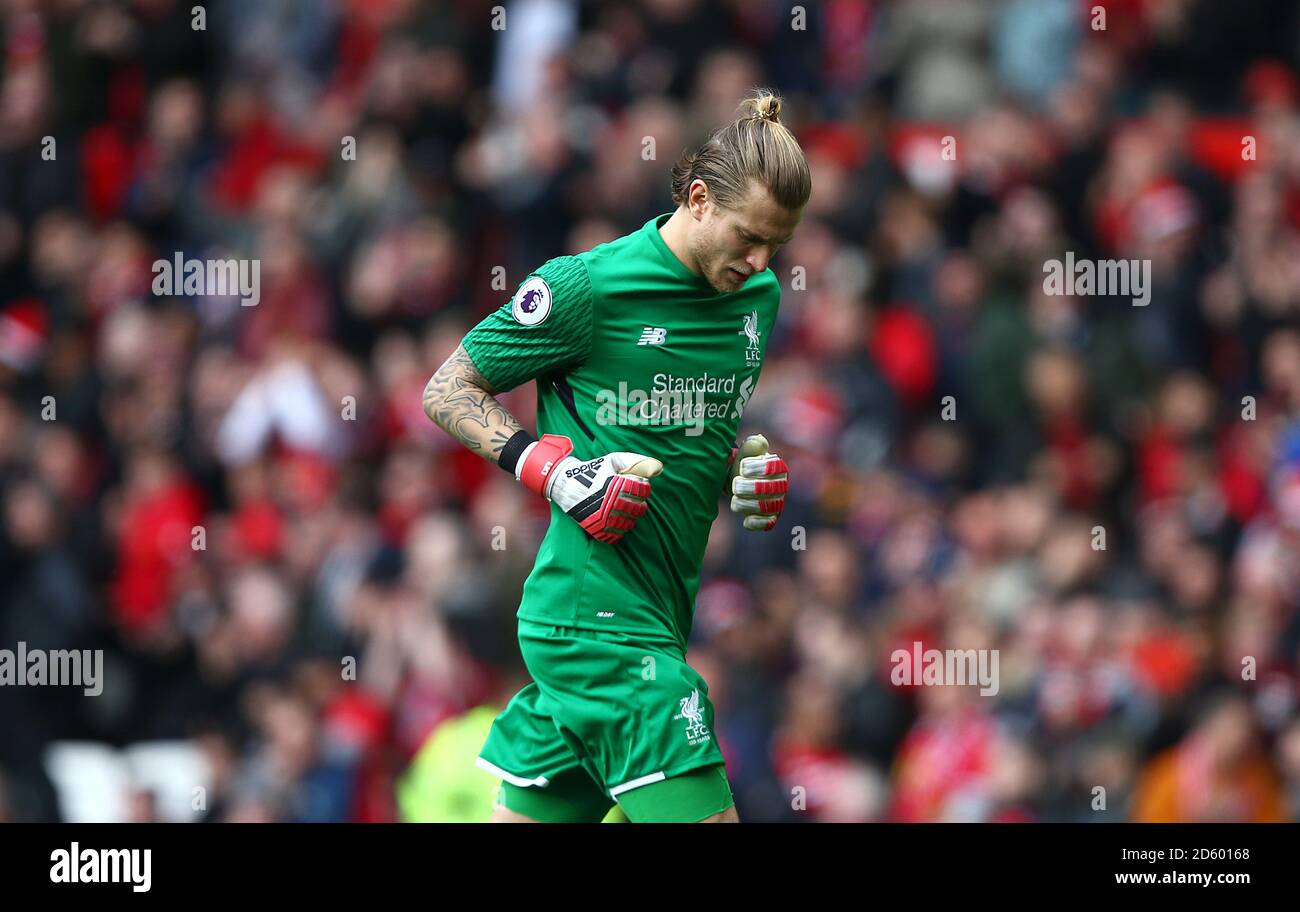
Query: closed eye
x=754, y=239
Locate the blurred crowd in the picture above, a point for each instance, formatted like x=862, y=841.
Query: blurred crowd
x=295, y=574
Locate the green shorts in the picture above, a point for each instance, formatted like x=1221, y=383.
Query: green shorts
x=608, y=715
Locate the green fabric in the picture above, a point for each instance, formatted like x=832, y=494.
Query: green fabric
x=624, y=317
x=574, y=798
x=688, y=798
x=619, y=708
x=571, y=797
x=508, y=353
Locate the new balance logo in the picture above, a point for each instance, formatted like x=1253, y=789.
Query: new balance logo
x=653, y=335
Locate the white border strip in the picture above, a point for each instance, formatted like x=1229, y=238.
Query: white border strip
x=540, y=781
x=637, y=783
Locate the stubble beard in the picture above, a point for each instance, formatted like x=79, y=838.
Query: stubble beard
x=704, y=253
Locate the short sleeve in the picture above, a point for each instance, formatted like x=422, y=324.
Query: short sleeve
x=546, y=327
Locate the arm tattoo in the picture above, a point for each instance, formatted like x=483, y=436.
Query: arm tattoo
x=459, y=400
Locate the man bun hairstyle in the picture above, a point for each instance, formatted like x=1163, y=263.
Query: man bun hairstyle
x=762, y=104
x=756, y=146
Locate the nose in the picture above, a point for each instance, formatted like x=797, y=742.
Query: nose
x=757, y=261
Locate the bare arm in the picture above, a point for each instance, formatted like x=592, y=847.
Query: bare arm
x=459, y=400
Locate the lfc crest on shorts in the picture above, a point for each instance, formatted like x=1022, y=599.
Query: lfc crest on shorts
x=696, y=731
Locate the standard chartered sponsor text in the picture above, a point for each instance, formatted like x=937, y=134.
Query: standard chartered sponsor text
x=671, y=401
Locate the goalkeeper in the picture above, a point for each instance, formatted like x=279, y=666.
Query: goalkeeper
x=645, y=351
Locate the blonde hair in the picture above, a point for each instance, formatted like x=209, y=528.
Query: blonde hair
x=756, y=146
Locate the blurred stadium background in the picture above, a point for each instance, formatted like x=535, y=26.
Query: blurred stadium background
x=1172, y=135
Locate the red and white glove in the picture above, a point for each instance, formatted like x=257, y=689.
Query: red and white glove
x=759, y=482
x=605, y=495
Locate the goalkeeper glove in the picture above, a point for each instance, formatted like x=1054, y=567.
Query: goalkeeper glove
x=759, y=483
x=605, y=495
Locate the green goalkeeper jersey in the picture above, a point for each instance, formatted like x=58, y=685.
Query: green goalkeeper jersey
x=631, y=351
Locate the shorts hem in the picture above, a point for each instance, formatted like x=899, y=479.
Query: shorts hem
x=636, y=783
x=662, y=775
x=539, y=781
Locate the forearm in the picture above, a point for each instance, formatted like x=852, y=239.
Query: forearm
x=459, y=400
x=606, y=495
